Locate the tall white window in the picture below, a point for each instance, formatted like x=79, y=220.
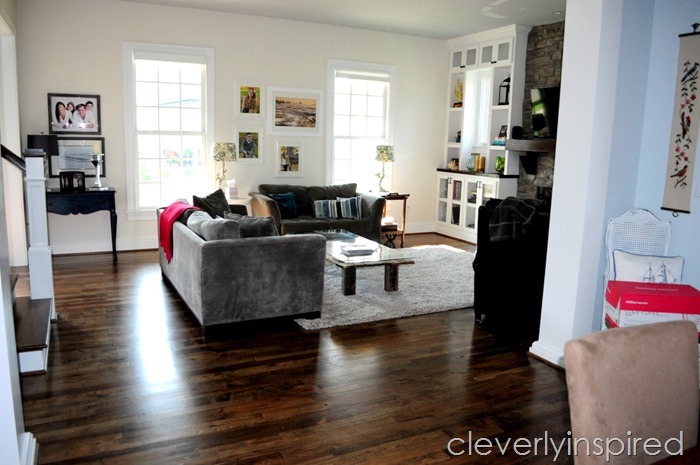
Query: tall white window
x=361, y=121
x=168, y=110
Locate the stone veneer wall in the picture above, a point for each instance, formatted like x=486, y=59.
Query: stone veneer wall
x=545, y=48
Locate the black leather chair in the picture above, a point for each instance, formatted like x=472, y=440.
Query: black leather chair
x=509, y=275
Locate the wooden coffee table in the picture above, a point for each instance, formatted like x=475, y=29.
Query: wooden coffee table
x=336, y=239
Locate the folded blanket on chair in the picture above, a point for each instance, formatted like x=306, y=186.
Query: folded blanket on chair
x=171, y=213
x=512, y=217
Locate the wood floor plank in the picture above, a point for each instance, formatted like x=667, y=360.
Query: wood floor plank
x=132, y=380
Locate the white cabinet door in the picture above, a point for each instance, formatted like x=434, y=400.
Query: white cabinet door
x=496, y=53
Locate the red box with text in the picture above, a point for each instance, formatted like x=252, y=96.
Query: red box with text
x=631, y=303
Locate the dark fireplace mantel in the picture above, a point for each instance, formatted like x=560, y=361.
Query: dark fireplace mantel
x=529, y=150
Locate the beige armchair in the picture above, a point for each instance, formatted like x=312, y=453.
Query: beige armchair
x=642, y=380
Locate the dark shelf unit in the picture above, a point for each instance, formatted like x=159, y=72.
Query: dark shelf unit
x=529, y=149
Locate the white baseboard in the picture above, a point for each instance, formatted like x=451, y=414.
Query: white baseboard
x=549, y=353
x=28, y=449
x=83, y=246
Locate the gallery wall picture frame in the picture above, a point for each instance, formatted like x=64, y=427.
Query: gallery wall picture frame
x=75, y=154
x=297, y=112
x=250, y=145
x=290, y=158
x=74, y=113
x=250, y=99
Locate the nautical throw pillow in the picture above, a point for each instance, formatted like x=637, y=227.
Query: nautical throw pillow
x=647, y=268
x=350, y=207
x=326, y=208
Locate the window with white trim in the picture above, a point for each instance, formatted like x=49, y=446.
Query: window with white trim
x=168, y=110
x=361, y=120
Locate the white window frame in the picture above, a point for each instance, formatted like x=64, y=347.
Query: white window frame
x=356, y=67
x=156, y=52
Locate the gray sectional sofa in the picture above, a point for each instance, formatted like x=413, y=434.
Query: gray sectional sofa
x=303, y=215
x=225, y=280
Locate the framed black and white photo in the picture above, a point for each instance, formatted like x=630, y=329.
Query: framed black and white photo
x=75, y=154
x=74, y=114
x=290, y=155
x=249, y=140
x=295, y=112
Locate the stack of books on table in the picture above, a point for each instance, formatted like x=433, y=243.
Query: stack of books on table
x=356, y=249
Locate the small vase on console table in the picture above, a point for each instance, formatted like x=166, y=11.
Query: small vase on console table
x=97, y=160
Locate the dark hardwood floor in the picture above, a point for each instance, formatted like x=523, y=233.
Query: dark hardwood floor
x=131, y=380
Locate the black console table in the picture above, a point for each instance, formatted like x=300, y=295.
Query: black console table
x=90, y=201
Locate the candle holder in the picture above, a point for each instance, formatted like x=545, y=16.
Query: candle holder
x=97, y=160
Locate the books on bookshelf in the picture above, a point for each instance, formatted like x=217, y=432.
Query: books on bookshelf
x=356, y=249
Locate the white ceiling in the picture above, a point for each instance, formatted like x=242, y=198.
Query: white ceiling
x=440, y=19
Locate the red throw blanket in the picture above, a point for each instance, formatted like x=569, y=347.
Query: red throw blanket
x=171, y=213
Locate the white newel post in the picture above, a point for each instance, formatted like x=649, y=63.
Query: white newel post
x=39, y=256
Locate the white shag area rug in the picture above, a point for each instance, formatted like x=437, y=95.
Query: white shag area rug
x=441, y=279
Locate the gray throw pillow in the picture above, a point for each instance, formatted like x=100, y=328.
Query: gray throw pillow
x=213, y=229
x=254, y=226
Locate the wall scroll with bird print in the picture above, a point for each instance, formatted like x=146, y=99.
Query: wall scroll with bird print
x=684, y=129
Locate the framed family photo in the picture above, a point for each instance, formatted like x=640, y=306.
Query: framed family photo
x=75, y=154
x=289, y=158
x=74, y=114
x=249, y=142
x=250, y=99
x=295, y=111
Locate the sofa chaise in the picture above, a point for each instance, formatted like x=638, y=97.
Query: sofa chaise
x=224, y=275
x=299, y=209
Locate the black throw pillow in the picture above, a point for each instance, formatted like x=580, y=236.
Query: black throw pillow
x=286, y=203
x=215, y=203
x=254, y=226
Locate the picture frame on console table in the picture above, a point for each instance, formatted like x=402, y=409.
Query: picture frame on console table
x=290, y=156
x=74, y=114
x=75, y=154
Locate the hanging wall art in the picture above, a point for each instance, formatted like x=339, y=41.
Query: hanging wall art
x=684, y=128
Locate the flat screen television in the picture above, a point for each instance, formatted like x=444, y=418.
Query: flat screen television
x=545, y=111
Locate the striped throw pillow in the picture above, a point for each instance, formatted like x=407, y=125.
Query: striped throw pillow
x=350, y=207
x=325, y=209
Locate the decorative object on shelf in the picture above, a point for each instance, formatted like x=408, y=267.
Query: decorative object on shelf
x=72, y=181
x=504, y=92
x=458, y=138
x=501, y=138
x=681, y=158
x=500, y=164
x=478, y=163
x=453, y=164
x=458, y=92
x=223, y=152
x=385, y=154
x=97, y=160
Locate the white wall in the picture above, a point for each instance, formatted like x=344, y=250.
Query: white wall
x=670, y=20
x=621, y=55
x=74, y=46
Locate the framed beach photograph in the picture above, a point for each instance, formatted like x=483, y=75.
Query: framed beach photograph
x=289, y=155
x=74, y=114
x=250, y=142
x=250, y=99
x=75, y=154
x=295, y=111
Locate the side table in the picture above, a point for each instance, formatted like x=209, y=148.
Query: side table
x=391, y=232
x=90, y=201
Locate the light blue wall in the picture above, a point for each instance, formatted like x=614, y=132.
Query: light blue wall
x=670, y=18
